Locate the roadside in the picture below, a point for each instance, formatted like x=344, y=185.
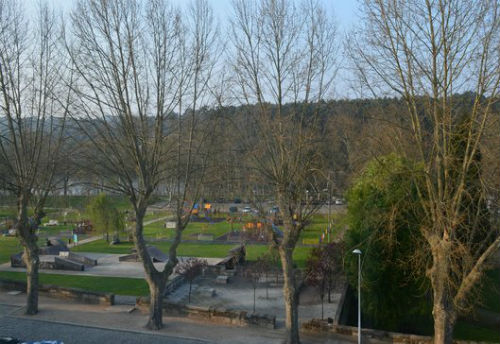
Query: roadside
x=78, y=323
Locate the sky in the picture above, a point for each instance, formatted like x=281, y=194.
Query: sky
x=344, y=10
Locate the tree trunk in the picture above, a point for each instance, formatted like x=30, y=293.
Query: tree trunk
x=443, y=324
x=291, y=298
x=322, y=307
x=156, y=291
x=30, y=255
x=156, y=280
x=254, y=289
x=190, y=285
x=32, y=264
x=443, y=311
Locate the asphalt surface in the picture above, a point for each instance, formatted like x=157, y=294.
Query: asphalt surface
x=33, y=330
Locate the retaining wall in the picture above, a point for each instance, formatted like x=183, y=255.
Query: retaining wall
x=212, y=314
x=74, y=294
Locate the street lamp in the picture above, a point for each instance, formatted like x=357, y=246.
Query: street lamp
x=358, y=252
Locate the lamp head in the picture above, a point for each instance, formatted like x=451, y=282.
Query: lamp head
x=357, y=251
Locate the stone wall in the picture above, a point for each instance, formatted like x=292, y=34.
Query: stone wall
x=317, y=326
x=74, y=294
x=212, y=314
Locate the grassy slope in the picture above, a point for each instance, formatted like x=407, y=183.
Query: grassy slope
x=120, y=286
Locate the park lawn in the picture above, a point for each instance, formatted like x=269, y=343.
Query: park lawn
x=491, y=291
x=216, y=229
x=157, y=230
x=8, y=212
x=116, y=285
x=206, y=250
x=8, y=247
x=54, y=230
x=157, y=215
x=469, y=331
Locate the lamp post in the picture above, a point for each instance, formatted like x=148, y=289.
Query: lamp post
x=358, y=252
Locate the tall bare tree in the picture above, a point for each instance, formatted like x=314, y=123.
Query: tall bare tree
x=125, y=54
x=190, y=158
x=32, y=120
x=137, y=63
x=425, y=52
x=284, y=54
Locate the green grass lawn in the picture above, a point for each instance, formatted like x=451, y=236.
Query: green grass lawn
x=193, y=250
x=7, y=212
x=157, y=230
x=116, y=285
x=468, y=331
x=157, y=215
x=8, y=246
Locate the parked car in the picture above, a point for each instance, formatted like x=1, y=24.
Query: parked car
x=233, y=209
x=246, y=210
x=274, y=210
x=339, y=202
x=52, y=223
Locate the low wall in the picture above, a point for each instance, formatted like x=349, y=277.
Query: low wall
x=212, y=314
x=78, y=258
x=75, y=294
x=66, y=264
x=317, y=326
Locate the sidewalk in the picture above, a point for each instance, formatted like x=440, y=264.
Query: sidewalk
x=70, y=317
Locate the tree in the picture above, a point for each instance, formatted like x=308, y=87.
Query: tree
x=190, y=269
x=254, y=272
x=136, y=62
x=282, y=54
x=104, y=216
x=384, y=216
x=424, y=52
x=33, y=108
x=323, y=269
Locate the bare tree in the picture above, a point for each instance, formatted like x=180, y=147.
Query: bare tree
x=284, y=54
x=126, y=57
x=190, y=269
x=137, y=63
x=425, y=52
x=190, y=160
x=32, y=120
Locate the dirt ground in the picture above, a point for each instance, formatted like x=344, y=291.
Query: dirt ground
x=239, y=294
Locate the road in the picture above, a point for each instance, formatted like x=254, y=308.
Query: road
x=33, y=330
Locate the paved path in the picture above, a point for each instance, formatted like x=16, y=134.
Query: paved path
x=78, y=323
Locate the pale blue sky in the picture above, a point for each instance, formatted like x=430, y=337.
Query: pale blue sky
x=344, y=10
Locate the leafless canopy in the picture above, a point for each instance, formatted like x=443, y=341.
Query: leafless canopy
x=284, y=55
x=426, y=52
